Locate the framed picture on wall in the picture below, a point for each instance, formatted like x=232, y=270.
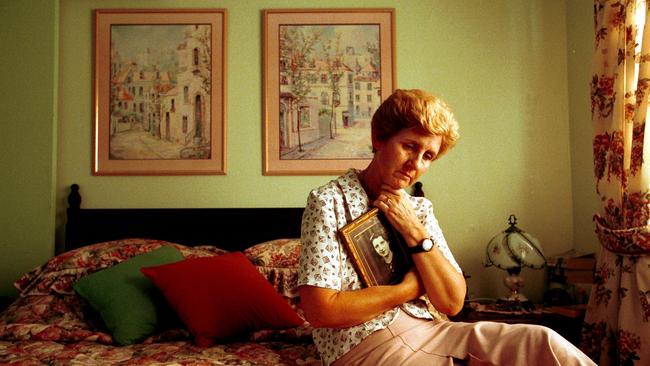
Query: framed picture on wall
x=159, y=92
x=325, y=73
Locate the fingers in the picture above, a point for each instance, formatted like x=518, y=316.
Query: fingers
x=394, y=194
x=397, y=208
x=390, y=199
x=382, y=205
x=384, y=198
x=385, y=201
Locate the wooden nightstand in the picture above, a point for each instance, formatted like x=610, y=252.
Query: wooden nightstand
x=566, y=320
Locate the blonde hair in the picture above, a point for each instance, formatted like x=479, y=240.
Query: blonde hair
x=415, y=108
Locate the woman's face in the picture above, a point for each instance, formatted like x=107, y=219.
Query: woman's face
x=405, y=156
x=381, y=245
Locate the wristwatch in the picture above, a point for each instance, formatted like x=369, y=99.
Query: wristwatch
x=424, y=246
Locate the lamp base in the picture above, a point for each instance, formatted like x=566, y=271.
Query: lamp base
x=514, y=296
x=514, y=282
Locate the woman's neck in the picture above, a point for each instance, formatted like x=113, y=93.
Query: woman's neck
x=370, y=183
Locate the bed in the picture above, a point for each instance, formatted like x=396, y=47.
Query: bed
x=61, y=319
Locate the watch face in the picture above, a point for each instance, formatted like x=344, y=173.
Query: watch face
x=427, y=244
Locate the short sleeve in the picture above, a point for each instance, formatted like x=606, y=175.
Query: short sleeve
x=320, y=257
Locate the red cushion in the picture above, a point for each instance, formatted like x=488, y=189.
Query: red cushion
x=220, y=298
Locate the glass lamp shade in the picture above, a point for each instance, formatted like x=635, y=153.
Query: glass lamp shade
x=514, y=248
x=510, y=250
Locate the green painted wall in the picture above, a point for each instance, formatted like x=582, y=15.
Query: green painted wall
x=580, y=41
x=28, y=109
x=502, y=65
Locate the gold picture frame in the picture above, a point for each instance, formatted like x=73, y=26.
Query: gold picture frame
x=325, y=73
x=159, y=92
x=376, y=249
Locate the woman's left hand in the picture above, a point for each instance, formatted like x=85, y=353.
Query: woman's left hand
x=399, y=211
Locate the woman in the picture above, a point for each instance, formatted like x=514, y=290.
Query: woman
x=392, y=325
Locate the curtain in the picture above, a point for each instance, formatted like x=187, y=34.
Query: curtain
x=616, y=330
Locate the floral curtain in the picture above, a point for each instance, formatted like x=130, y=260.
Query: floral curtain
x=617, y=324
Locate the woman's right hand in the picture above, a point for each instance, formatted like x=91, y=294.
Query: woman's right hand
x=412, y=284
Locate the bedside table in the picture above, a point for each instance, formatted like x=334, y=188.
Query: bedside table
x=566, y=320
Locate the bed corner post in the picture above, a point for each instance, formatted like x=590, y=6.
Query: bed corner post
x=417, y=190
x=74, y=198
x=74, y=206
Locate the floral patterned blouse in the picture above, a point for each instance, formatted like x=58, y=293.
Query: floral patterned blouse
x=324, y=261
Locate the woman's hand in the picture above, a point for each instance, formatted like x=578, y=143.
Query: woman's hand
x=412, y=283
x=399, y=211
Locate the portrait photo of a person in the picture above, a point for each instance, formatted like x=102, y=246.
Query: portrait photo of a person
x=382, y=247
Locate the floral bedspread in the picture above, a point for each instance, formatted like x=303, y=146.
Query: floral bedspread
x=50, y=325
x=168, y=353
x=59, y=329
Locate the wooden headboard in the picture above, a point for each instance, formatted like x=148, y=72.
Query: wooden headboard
x=227, y=228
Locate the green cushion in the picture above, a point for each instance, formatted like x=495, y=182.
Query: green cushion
x=130, y=305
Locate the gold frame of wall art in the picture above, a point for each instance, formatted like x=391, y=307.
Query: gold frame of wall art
x=325, y=73
x=159, y=92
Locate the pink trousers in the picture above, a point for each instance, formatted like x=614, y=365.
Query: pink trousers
x=413, y=341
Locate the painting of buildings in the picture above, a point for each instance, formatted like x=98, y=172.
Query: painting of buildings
x=330, y=85
x=160, y=92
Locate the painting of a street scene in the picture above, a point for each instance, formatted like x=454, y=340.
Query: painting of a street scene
x=330, y=85
x=160, y=92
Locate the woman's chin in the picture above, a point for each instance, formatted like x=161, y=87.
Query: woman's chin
x=400, y=183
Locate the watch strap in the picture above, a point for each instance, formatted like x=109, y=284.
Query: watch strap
x=416, y=249
x=420, y=247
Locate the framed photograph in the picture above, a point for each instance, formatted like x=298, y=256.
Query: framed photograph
x=325, y=73
x=377, y=251
x=159, y=92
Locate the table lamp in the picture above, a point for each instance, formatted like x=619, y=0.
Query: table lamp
x=510, y=250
